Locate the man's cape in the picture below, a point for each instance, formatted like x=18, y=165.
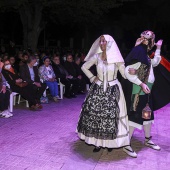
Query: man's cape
x=161, y=88
x=137, y=54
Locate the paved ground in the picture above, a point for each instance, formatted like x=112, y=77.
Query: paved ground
x=46, y=140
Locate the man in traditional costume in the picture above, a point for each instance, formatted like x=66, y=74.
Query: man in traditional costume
x=138, y=92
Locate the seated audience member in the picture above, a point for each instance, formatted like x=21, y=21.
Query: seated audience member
x=47, y=74
x=18, y=57
x=4, y=98
x=80, y=73
x=65, y=78
x=15, y=82
x=5, y=56
x=38, y=59
x=13, y=63
x=24, y=59
x=29, y=73
x=72, y=70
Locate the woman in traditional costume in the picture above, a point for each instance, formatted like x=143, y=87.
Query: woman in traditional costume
x=103, y=120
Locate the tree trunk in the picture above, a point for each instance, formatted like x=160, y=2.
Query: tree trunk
x=31, y=17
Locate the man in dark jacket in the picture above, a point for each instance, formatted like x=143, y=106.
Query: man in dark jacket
x=71, y=68
x=29, y=73
x=65, y=78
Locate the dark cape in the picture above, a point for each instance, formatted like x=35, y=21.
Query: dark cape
x=137, y=54
x=161, y=87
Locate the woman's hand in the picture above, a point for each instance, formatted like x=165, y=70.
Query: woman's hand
x=96, y=79
x=3, y=90
x=145, y=88
x=132, y=71
x=52, y=79
x=139, y=41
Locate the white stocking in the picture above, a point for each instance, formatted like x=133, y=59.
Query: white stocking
x=131, y=130
x=147, y=129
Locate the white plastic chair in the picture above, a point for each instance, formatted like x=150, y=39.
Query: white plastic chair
x=12, y=101
x=12, y=98
x=19, y=100
x=62, y=88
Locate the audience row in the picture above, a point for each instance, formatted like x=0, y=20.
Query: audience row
x=30, y=76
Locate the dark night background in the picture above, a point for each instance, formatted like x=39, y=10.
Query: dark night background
x=124, y=23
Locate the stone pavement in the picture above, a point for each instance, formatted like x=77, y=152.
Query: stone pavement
x=46, y=140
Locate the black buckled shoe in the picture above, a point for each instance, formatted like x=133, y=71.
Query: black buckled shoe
x=96, y=149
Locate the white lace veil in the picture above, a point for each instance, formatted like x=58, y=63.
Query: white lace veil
x=112, y=50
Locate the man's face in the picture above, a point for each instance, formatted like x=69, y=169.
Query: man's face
x=70, y=59
x=12, y=60
x=25, y=58
x=56, y=60
x=33, y=62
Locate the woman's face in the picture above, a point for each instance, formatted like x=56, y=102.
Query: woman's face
x=102, y=43
x=7, y=65
x=47, y=62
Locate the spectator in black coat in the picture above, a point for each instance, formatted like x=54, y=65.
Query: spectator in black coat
x=65, y=78
x=71, y=67
x=29, y=73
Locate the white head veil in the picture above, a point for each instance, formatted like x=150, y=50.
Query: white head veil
x=112, y=50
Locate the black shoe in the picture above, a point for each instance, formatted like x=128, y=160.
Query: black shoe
x=96, y=149
x=109, y=149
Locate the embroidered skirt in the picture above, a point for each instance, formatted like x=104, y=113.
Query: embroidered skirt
x=103, y=119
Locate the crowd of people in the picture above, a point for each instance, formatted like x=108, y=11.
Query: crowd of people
x=111, y=110
x=30, y=74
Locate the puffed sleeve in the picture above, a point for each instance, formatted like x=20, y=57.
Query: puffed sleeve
x=121, y=68
x=157, y=58
x=86, y=66
x=133, y=78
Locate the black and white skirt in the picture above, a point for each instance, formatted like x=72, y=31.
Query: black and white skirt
x=103, y=119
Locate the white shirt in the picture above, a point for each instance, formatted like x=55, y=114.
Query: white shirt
x=105, y=72
x=49, y=71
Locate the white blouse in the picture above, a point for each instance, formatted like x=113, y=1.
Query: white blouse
x=105, y=72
